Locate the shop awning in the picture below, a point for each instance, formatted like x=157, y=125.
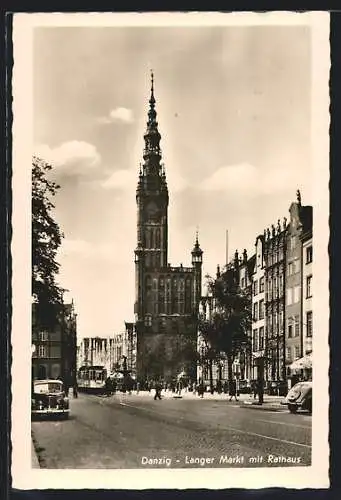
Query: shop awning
x=303, y=363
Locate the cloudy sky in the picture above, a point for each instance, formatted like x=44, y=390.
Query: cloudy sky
x=233, y=107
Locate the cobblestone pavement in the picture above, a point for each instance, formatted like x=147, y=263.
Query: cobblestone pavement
x=134, y=431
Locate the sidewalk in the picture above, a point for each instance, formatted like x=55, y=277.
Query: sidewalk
x=245, y=400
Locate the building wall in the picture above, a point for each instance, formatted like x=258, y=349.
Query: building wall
x=294, y=344
x=102, y=351
x=55, y=350
x=275, y=262
x=258, y=340
x=307, y=277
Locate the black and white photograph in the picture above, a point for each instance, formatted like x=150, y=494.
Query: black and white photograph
x=170, y=250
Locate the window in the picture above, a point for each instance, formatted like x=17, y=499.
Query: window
x=270, y=325
x=42, y=351
x=309, y=320
x=254, y=340
x=297, y=351
x=255, y=311
x=281, y=320
x=276, y=322
x=289, y=353
x=261, y=285
x=290, y=268
x=296, y=265
x=289, y=296
x=275, y=286
x=43, y=336
x=243, y=283
x=292, y=242
x=290, y=329
x=309, y=286
x=309, y=254
x=296, y=294
x=261, y=337
x=255, y=287
x=148, y=320
x=261, y=309
x=297, y=326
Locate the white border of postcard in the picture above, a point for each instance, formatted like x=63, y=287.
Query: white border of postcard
x=23, y=475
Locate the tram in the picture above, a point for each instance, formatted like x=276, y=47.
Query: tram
x=91, y=379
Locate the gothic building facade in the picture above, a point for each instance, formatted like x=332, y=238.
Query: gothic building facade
x=167, y=297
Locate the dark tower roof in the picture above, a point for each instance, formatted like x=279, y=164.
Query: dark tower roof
x=152, y=151
x=152, y=176
x=196, y=249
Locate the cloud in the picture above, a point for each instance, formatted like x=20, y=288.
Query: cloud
x=120, y=114
x=73, y=157
x=85, y=249
x=121, y=179
x=247, y=178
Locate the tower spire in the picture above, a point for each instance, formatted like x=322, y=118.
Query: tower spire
x=152, y=151
x=152, y=98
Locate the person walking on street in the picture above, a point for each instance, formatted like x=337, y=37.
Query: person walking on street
x=108, y=387
x=201, y=389
x=158, y=388
x=75, y=390
x=233, y=390
x=260, y=391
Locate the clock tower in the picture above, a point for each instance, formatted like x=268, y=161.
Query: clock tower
x=152, y=207
x=166, y=297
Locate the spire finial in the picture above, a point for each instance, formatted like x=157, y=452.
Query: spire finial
x=152, y=98
x=197, y=236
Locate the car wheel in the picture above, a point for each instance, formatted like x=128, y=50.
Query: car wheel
x=292, y=408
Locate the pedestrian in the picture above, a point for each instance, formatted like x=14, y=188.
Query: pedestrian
x=107, y=387
x=158, y=388
x=254, y=389
x=226, y=387
x=137, y=387
x=233, y=390
x=66, y=387
x=219, y=387
x=75, y=390
x=260, y=391
x=201, y=389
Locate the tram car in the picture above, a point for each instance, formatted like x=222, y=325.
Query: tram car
x=91, y=379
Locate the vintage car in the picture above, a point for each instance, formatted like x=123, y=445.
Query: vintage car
x=48, y=398
x=300, y=397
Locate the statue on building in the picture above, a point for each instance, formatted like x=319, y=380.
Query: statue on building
x=298, y=196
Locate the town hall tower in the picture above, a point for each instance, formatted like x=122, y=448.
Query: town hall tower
x=167, y=298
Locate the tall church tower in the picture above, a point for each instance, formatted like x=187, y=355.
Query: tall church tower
x=166, y=298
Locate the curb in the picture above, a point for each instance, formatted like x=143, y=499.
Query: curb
x=263, y=407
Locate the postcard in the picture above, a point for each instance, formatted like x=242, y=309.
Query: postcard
x=170, y=250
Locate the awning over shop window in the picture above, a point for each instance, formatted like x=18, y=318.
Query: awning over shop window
x=303, y=363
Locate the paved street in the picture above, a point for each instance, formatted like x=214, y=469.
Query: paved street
x=134, y=431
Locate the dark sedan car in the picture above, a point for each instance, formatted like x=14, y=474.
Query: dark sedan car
x=300, y=397
x=49, y=398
